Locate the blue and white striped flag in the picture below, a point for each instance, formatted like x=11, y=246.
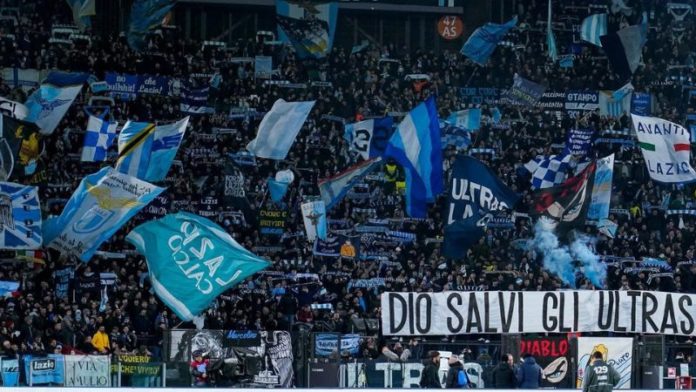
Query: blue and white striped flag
x=146, y=151
x=469, y=120
x=593, y=27
x=279, y=128
x=98, y=138
x=548, y=172
x=608, y=106
x=416, y=146
x=20, y=216
x=626, y=89
x=333, y=189
x=481, y=44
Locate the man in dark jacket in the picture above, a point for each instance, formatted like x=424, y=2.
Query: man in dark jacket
x=529, y=374
x=600, y=376
x=503, y=374
x=430, y=377
x=455, y=366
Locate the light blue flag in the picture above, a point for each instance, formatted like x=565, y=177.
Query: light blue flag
x=479, y=47
x=48, y=104
x=469, y=120
x=601, y=189
x=333, y=189
x=165, y=144
x=146, y=151
x=146, y=15
x=277, y=189
x=191, y=261
x=279, y=128
x=20, y=216
x=8, y=287
x=566, y=61
x=417, y=147
x=550, y=38
x=622, y=92
x=593, y=27
x=314, y=217
x=101, y=204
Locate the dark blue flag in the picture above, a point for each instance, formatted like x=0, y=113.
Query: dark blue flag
x=146, y=15
x=475, y=195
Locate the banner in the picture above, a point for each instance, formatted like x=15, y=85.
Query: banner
x=380, y=374
x=369, y=138
x=601, y=189
x=475, y=195
x=49, y=369
x=87, y=371
x=20, y=217
x=524, y=92
x=26, y=79
x=272, y=221
x=263, y=67
x=100, y=205
x=129, y=86
x=309, y=28
x=479, y=95
x=20, y=148
x=314, y=217
x=454, y=313
x=194, y=100
x=136, y=365
x=61, y=281
x=10, y=372
x=579, y=141
x=641, y=104
x=191, y=261
x=618, y=352
x=327, y=344
x=666, y=149
x=233, y=190
x=577, y=101
x=269, y=363
x=338, y=246
x=553, y=355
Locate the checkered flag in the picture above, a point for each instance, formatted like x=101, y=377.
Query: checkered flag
x=548, y=172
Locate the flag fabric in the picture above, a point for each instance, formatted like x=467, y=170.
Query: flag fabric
x=666, y=149
x=99, y=136
x=20, y=147
x=314, y=217
x=369, y=138
x=624, y=49
x=310, y=28
x=146, y=151
x=263, y=67
x=452, y=136
x=496, y=115
x=233, y=190
x=20, y=216
x=13, y=109
x=593, y=27
x=8, y=287
x=194, y=100
x=416, y=146
x=333, y=189
x=191, y=261
x=82, y=10
x=469, y=120
x=579, y=142
x=146, y=15
x=476, y=194
x=481, y=44
x=277, y=189
x=32, y=256
x=608, y=106
x=550, y=39
x=566, y=61
x=566, y=204
x=621, y=93
x=601, y=189
x=548, y=172
x=279, y=128
x=101, y=204
x=524, y=92
x=49, y=103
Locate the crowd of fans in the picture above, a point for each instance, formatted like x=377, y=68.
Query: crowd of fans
x=37, y=320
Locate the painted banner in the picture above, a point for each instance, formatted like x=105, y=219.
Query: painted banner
x=87, y=371
x=552, y=354
x=666, y=149
x=617, y=352
x=454, y=313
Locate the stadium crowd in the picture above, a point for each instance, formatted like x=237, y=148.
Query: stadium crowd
x=36, y=320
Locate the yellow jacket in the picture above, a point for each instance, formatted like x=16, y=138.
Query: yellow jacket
x=100, y=341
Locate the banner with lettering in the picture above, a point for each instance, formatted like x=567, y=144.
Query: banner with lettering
x=272, y=221
x=618, y=352
x=128, y=86
x=10, y=372
x=87, y=371
x=44, y=370
x=552, y=354
x=454, y=313
x=327, y=344
x=136, y=365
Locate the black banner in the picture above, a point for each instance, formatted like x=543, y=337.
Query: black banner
x=553, y=355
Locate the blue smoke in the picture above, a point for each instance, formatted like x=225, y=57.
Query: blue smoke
x=557, y=258
x=594, y=269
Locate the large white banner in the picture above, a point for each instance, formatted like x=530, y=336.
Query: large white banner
x=618, y=352
x=666, y=149
x=87, y=371
x=454, y=312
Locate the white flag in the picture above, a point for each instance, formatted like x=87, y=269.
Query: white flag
x=279, y=128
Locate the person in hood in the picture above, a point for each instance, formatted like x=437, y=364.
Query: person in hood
x=600, y=376
x=529, y=374
x=430, y=377
x=456, y=376
x=504, y=375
